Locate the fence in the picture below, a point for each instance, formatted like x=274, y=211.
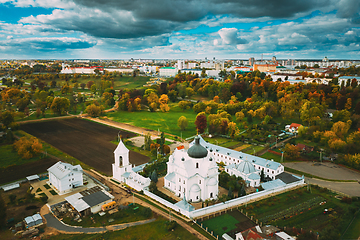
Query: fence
x=224, y=205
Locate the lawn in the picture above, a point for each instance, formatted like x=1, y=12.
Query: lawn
x=221, y=224
x=166, y=122
x=250, y=150
x=269, y=156
x=129, y=214
x=9, y=157
x=353, y=231
x=154, y=230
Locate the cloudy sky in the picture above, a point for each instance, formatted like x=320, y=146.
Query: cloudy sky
x=184, y=29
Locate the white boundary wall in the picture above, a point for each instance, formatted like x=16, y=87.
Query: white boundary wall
x=226, y=205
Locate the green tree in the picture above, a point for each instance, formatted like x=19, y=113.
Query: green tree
x=154, y=176
x=182, y=123
x=183, y=105
x=7, y=118
x=60, y=105
x=93, y=88
x=93, y=110
x=148, y=141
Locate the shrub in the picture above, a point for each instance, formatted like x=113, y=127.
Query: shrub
x=171, y=225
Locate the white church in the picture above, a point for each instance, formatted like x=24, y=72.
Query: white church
x=192, y=174
x=123, y=170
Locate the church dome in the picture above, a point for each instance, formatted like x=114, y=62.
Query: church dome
x=246, y=167
x=197, y=151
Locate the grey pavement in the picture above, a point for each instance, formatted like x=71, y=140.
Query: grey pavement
x=348, y=188
x=326, y=170
x=55, y=223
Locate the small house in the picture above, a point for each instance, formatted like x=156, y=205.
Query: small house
x=64, y=176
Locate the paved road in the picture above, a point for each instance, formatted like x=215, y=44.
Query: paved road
x=55, y=223
x=349, y=188
x=326, y=170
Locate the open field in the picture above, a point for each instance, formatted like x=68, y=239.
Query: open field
x=163, y=121
x=87, y=141
x=153, y=230
x=231, y=223
x=17, y=172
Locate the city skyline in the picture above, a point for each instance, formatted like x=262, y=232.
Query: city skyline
x=76, y=29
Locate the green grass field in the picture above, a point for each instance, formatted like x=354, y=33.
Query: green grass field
x=9, y=157
x=154, y=230
x=166, y=122
x=353, y=231
x=269, y=156
x=221, y=224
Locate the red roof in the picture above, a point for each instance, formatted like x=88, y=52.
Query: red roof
x=180, y=147
x=295, y=125
x=253, y=236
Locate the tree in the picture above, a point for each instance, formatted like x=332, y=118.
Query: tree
x=108, y=99
x=148, y=141
x=163, y=100
x=28, y=147
x=60, y=105
x=182, y=123
x=230, y=193
x=153, y=101
x=183, y=105
x=153, y=187
x=154, y=176
x=340, y=128
x=93, y=110
x=200, y=122
x=93, y=88
x=291, y=151
x=239, y=116
x=89, y=84
x=262, y=175
x=162, y=142
x=7, y=118
x=242, y=191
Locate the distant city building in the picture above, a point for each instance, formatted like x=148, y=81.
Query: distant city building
x=251, y=61
x=168, y=72
x=265, y=67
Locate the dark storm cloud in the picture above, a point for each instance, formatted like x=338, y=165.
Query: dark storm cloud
x=45, y=44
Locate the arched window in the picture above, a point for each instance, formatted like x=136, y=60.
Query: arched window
x=211, y=195
x=197, y=165
x=120, y=160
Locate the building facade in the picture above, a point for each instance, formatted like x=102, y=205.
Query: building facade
x=192, y=174
x=123, y=170
x=64, y=176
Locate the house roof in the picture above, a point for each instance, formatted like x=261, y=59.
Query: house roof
x=76, y=201
x=170, y=176
x=295, y=125
x=273, y=184
x=287, y=178
x=96, y=198
x=183, y=204
x=238, y=155
x=61, y=169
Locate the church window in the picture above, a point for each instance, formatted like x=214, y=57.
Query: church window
x=69, y=185
x=179, y=188
x=121, y=160
x=225, y=157
x=211, y=195
x=184, y=181
x=197, y=197
x=184, y=190
x=169, y=184
x=273, y=172
x=197, y=165
x=199, y=181
x=268, y=170
x=69, y=179
x=179, y=179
